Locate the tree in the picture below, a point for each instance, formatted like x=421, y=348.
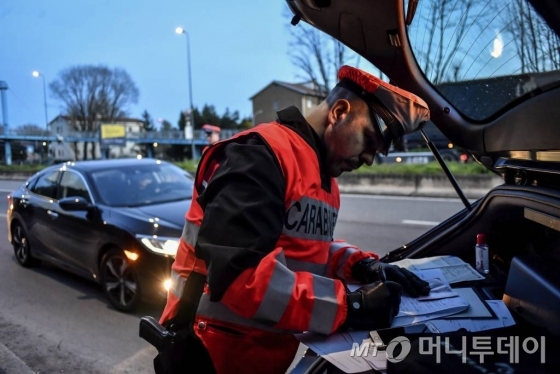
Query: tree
x=443, y=25
x=29, y=129
x=147, y=125
x=147, y=121
x=208, y=115
x=537, y=45
x=454, y=39
x=166, y=125
x=182, y=123
x=229, y=120
x=177, y=151
x=317, y=56
x=94, y=94
x=246, y=123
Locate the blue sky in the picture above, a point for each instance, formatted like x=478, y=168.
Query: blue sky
x=237, y=48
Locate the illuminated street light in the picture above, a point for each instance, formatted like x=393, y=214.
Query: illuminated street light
x=36, y=74
x=180, y=30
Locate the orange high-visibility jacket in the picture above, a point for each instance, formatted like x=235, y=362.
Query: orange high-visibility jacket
x=295, y=287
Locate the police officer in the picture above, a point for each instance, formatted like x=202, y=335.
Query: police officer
x=257, y=261
x=212, y=135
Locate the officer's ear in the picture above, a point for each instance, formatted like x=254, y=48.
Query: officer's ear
x=338, y=111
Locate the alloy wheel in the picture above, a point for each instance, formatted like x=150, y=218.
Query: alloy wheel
x=120, y=282
x=21, y=246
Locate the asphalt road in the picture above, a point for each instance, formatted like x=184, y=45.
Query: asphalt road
x=59, y=323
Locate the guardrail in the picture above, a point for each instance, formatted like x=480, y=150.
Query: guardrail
x=417, y=157
x=474, y=186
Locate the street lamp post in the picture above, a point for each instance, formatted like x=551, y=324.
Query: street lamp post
x=37, y=74
x=180, y=30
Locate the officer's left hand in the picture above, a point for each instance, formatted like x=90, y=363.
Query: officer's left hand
x=367, y=271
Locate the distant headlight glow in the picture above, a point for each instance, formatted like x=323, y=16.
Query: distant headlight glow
x=164, y=246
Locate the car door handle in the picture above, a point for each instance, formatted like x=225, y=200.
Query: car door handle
x=53, y=215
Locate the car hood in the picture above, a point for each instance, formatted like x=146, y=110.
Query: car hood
x=506, y=116
x=165, y=219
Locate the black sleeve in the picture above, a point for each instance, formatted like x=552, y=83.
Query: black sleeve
x=243, y=213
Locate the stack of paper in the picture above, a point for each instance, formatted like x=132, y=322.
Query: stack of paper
x=503, y=319
x=441, y=302
x=454, y=269
x=445, y=308
x=337, y=349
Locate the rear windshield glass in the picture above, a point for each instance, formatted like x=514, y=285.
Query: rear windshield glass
x=484, y=55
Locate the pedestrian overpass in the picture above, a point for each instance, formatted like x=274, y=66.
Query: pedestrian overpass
x=170, y=137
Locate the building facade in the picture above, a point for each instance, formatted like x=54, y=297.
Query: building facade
x=64, y=126
x=279, y=95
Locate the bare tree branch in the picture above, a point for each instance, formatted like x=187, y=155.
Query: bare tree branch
x=92, y=94
x=317, y=56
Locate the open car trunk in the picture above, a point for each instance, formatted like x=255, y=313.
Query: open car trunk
x=508, y=121
x=522, y=224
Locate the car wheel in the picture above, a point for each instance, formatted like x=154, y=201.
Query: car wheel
x=120, y=281
x=22, y=250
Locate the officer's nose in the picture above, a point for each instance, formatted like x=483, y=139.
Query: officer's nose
x=367, y=158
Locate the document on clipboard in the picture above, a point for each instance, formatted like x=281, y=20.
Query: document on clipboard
x=442, y=301
x=478, y=307
x=454, y=269
x=503, y=319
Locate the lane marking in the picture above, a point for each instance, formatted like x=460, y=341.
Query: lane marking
x=405, y=198
x=421, y=223
x=3, y=215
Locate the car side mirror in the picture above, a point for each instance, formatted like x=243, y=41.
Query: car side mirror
x=74, y=203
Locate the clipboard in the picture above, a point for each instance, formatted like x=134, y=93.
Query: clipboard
x=478, y=307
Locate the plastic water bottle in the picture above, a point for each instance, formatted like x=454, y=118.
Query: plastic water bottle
x=482, y=257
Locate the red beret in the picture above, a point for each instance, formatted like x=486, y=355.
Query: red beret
x=397, y=112
x=211, y=128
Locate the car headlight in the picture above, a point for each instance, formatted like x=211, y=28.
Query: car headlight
x=161, y=245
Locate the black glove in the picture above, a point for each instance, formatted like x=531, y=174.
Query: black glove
x=367, y=271
x=373, y=306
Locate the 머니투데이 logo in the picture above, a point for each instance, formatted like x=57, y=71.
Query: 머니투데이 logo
x=392, y=349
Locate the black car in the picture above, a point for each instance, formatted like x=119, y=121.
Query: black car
x=490, y=73
x=117, y=222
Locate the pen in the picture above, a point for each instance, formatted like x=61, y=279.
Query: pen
x=381, y=273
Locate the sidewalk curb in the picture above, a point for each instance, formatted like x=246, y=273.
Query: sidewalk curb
x=12, y=364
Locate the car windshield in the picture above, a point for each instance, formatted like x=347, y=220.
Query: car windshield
x=142, y=185
x=483, y=56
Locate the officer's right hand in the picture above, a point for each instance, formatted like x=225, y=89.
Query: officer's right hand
x=373, y=306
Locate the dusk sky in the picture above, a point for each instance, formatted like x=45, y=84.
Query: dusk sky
x=237, y=48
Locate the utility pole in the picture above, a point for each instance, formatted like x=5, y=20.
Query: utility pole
x=7, y=145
